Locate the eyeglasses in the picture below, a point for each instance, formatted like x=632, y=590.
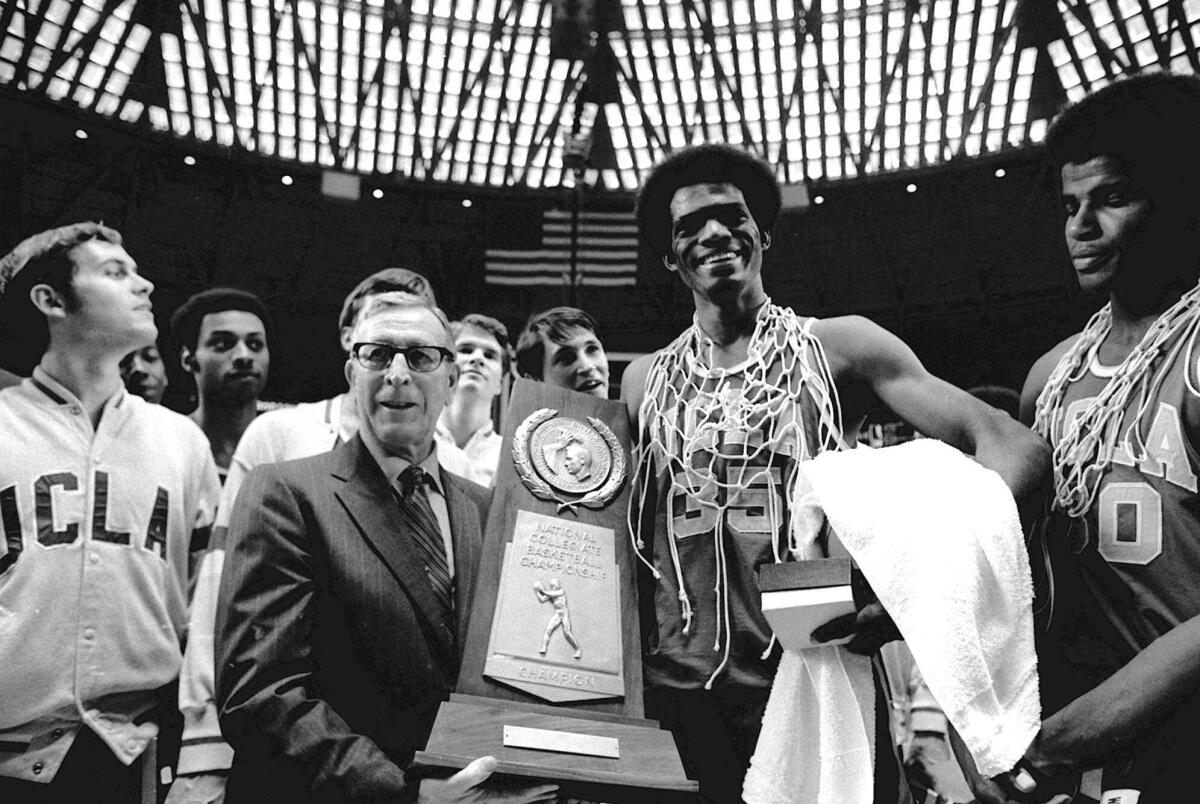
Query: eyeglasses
x=378, y=356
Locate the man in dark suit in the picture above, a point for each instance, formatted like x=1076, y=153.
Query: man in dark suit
x=347, y=580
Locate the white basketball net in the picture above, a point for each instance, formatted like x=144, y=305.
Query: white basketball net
x=1086, y=448
x=785, y=371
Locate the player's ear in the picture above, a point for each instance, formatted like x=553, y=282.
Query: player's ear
x=48, y=301
x=766, y=240
x=668, y=261
x=187, y=360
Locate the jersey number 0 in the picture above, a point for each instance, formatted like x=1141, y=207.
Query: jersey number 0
x=1129, y=518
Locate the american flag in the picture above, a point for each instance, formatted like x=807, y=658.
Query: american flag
x=606, y=253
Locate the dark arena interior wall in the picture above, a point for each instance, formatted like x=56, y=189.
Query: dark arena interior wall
x=969, y=268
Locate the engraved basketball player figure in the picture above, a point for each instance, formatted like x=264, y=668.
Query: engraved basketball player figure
x=561, y=618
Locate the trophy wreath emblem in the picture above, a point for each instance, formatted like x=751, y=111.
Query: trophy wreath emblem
x=557, y=455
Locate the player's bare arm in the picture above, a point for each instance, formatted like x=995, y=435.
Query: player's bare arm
x=870, y=363
x=1101, y=725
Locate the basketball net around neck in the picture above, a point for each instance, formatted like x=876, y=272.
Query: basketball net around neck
x=1085, y=451
x=689, y=402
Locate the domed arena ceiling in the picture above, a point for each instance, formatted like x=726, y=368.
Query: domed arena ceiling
x=518, y=92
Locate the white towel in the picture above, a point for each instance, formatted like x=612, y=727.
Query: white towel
x=938, y=538
x=818, y=733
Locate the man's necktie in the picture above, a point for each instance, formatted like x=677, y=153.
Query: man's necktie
x=424, y=529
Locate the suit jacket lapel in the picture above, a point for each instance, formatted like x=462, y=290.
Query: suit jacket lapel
x=467, y=531
x=367, y=497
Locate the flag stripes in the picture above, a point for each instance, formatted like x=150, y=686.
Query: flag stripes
x=606, y=253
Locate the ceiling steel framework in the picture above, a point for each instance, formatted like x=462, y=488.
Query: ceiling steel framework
x=465, y=90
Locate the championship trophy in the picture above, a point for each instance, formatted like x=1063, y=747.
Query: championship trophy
x=551, y=677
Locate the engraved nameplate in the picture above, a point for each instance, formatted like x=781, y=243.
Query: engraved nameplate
x=563, y=742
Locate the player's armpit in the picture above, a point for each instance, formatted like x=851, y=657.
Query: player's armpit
x=1037, y=378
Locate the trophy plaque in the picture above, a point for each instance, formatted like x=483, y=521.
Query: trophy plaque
x=551, y=679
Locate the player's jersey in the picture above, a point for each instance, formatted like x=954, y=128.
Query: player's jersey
x=1126, y=572
x=1136, y=552
x=707, y=410
x=96, y=528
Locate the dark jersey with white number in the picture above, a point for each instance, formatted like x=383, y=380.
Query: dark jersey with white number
x=1136, y=552
x=751, y=498
x=1128, y=571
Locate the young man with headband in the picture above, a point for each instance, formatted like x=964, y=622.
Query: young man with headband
x=723, y=415
x=1120, y=403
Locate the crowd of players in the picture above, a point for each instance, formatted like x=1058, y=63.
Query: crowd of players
x=161, y=577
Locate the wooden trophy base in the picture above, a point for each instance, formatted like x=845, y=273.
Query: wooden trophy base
x=589, y=755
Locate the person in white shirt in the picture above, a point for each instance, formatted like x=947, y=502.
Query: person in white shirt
x=468, y=444
x=101, y=496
